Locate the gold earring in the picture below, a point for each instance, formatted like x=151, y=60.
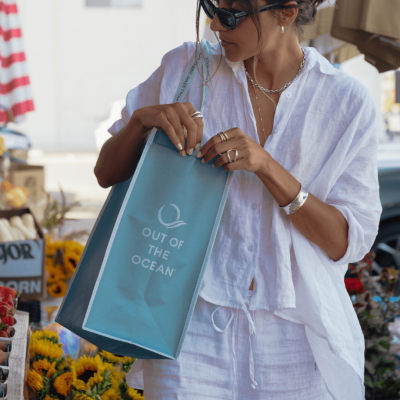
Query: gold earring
x=282, y=29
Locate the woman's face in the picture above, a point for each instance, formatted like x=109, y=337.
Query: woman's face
x=242, y=42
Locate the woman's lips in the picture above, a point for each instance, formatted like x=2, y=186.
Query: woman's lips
x=225, y=43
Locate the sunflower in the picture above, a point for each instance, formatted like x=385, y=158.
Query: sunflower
x=82, y=396
x=57, y=289
x=116, y=377
x=52, y=247
x=87, y=372
x=134, y=394
x=63, y=383
x=50, y=398
x=110, y=357
x=45, y=334
x=49, y=263
x=46, y=348
x=35, y=380
x=44, y=366
x=71, y=260
x=114, y=359
x=73, y=247
x=57, y=273
x=110, y=394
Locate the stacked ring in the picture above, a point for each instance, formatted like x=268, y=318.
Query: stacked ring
x=197, y=114
x=223, y=136
x=229, y=157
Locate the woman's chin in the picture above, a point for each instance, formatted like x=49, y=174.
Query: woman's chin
x=232, y=56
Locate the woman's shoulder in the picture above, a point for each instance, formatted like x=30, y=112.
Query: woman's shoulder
x=183, y=53
x=342, y=89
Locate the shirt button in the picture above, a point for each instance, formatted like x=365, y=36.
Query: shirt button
x=289, y=95
x=254, y=206
x=251, y=248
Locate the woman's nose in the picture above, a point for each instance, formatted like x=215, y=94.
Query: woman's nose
x=216, y=25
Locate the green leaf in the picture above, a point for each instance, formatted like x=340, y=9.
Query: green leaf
x=384, y=344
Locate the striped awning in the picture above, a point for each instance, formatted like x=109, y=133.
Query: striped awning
x=15, y=90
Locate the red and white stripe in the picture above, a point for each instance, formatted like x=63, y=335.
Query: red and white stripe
x=15, y=90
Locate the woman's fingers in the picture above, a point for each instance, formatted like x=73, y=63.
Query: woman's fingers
x=215, y=140
x=174, y=120
x=170, y=131
x=200, y=129
x=223, y=158
x=193, y=126
x=191, y=136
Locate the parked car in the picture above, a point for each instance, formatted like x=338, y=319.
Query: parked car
x=387, y=243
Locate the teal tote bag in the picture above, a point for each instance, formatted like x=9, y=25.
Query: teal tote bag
x=135, y=288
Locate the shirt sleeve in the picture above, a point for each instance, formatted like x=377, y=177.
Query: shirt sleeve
x=356, y=191
x=146, y=94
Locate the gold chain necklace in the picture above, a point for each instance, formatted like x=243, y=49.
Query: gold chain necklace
x=259, y=112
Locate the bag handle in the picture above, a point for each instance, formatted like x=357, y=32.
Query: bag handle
x=204, y=60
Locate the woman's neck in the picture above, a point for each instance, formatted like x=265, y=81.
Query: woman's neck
x=277, y=66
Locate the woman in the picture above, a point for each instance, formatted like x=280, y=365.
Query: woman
x=273, y=319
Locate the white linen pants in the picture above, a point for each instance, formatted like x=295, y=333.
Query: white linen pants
x=273, y=363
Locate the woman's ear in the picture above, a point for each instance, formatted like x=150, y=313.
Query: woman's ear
x=288, y=15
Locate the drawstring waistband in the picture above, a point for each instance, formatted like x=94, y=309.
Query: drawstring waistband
x=252, y=331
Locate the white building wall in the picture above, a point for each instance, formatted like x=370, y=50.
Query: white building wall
x=83, y=58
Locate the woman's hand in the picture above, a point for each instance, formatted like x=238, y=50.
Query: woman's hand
x=173, y=119
x=251, y=156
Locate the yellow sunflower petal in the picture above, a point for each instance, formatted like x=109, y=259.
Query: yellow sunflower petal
x=57, y=289
x=35, y=380
x=63, y=383
x=46, y=348
x=44, y=366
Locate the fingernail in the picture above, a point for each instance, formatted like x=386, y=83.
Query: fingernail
x=198, y=155
x=180, y=147
x=203, y=161
x=197, y=146
x=183, y=153
x=190, y=152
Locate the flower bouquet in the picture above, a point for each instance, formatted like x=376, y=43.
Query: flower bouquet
x=377, y=309
x=54, y=376
x=62, y=257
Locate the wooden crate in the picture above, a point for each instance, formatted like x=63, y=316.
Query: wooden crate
x=19, y=358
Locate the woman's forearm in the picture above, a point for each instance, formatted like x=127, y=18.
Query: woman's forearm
x=320, y=223
x=120, y=155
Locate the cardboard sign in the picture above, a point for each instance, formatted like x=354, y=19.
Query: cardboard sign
x=22, y=262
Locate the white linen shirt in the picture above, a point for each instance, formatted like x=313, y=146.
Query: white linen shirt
x=325, y=135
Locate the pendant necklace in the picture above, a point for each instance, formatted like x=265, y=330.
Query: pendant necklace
x=255, y=85
x=259, y=112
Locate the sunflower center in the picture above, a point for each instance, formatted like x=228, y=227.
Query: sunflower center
x=87, y=375
x=72, y=262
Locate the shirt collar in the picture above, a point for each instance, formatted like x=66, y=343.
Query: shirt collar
x=313, y=60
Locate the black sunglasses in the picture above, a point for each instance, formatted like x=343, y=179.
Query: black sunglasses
x=230, y=18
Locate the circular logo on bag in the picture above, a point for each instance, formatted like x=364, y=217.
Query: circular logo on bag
x=175, y=223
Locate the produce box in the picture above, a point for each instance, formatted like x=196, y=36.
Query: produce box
x=14, y=373
x=22, y=262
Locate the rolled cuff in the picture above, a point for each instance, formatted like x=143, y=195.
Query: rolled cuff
x=360, y=240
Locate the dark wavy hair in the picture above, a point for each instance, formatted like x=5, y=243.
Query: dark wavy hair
x=306, y=16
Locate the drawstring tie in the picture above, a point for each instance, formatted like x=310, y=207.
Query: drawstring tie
x=252, y=330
